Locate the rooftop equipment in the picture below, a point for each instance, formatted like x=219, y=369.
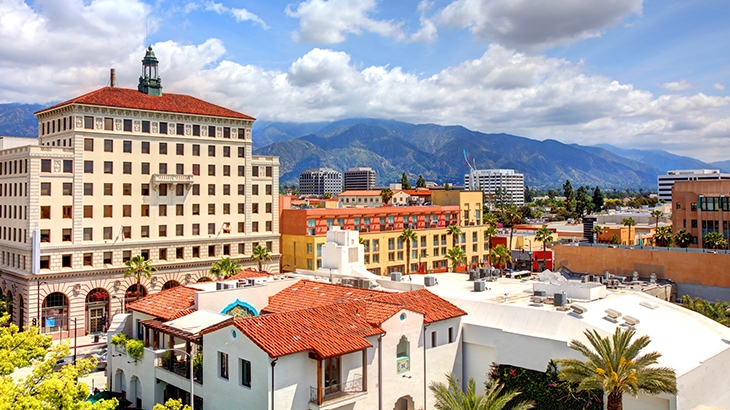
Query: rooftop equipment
x=560, y=299
x=631, y=321
x=578, y=309
x=430, y=281
x=395, y=276
x=613, y=315
x=479, y=286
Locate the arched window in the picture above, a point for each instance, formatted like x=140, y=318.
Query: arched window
x=170, y=284
x=133, y=293
x=54, y=315
x=97, y=309
x=9, y=301
x=403, y=355
x=204, y=279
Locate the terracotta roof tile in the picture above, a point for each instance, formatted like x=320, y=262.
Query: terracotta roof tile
x=422, y=301
x=307, y=294
x=167, y=304
x=376, y=312
x=327, y=331
x=250, y=273
x=167, y=102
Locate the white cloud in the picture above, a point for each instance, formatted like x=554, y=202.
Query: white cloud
x=330, y=21
x=240, y=15
x=718, y=86
x=681, y=85
x=531, y=24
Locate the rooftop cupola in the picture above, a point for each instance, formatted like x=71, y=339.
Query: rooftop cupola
x=149, y=82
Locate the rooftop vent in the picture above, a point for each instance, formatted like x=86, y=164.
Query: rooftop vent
x=537, y=300
x=613, y=315
x=578, y=309
x=631, y=321
x=649, y=305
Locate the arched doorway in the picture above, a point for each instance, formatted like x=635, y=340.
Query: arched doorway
x=21, y=312
x=120, y=382
x=54, y=313
x=133, y=293
x=97, y=310
x=170, y=284
x=204, y=279
x=404, y=403
x=9, y=301
x=135, y=392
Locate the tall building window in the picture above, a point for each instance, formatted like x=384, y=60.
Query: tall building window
x=223, y=365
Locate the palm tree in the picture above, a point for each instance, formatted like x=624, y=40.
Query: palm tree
x=456, y=255
x=386, y=195
x=454, y=231
x=663, y=236
x=597, y=230
x=225, y=268
x=451, y=397
x=500, y=255
x=614, y=365
x=682, y=238
x=656, y=214
x=139, y=267
x=408, y=235
x=490, y=219
x=489, y=233
x=513, y=217
x=260, y=254
x=544, y=235
x=714, y=240
x=629, y=221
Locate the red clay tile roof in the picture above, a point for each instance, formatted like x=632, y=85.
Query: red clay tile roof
x=328, y=331
x=133, y=99
x=422, y=301
x=308, y=294
x=376, y=312
x=167, y=304
x=305, y=294
x=250, y=273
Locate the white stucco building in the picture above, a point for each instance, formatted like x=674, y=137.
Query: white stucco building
x=505, y=185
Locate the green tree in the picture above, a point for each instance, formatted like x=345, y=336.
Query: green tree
x=513, y=216
x=450, y=396
x=407, y=236
x=569, y=196
x=500, y=256
x=528, y=195
x=404, y=183
x=597, y=199
x=614, y=365
x=490, y=219
x=138, y=267
x=489, y=232
x=327, y=195
x=386, y=195
x=714, y=240
x=171, y=404
x=583, y=202
x=421, y=182
x=597, y=230
x=261, y=254
x=629, y=221
x=454, y=231
x=457, y=256
x=663, y=236
x=682, y=238
x=656, y=214
x=225, y=268
x=545, y=236
x=718, y=311
x=447, y=187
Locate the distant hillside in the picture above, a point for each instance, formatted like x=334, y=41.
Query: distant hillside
x=436, y=152
x=724, y=166
x=662, y=160
x=18, y=119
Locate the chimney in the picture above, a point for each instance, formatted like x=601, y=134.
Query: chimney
x=112, y=78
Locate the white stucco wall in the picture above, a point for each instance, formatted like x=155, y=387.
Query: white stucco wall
x=706, y=384
x=217, y=300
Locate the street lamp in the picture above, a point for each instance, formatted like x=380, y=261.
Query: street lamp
x=39, y=301
x=190, y=363
x=75, y=345
x=121, y=303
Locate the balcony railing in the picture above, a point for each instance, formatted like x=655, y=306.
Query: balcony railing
x=336, y=393
x=180, y=368
x=173, y=179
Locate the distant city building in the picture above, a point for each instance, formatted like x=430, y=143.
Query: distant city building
x=500, y=185
x=319, y=181
x=699, y=208
x=359, y=179
x=666, y=182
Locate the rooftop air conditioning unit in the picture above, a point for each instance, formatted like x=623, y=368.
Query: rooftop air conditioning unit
x=541, y=293
x=631, y=321
x=395, y=276
x=560, y=299
x=430, y=281
x=479, y=286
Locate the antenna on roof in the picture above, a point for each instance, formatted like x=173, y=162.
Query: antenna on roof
x=112, y=78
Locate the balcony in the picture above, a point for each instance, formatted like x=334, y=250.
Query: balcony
x=337, y=396
x=179, y=365
x=172, y=179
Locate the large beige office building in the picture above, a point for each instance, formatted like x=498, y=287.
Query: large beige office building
x=120, y=172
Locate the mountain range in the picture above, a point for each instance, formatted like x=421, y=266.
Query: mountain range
x=434, y=151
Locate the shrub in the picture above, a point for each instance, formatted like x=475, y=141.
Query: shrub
x=119, y=339
x=135, y=349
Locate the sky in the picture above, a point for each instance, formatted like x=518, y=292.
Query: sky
x=651, y=74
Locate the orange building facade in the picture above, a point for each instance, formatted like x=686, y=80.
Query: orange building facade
x=701, y=207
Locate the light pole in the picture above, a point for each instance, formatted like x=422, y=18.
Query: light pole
x=190, y=363
x=38, y=296
x=75, y=345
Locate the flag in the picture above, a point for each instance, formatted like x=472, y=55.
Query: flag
x=122, y=231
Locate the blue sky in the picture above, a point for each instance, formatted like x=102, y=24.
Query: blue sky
x=636, y=74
